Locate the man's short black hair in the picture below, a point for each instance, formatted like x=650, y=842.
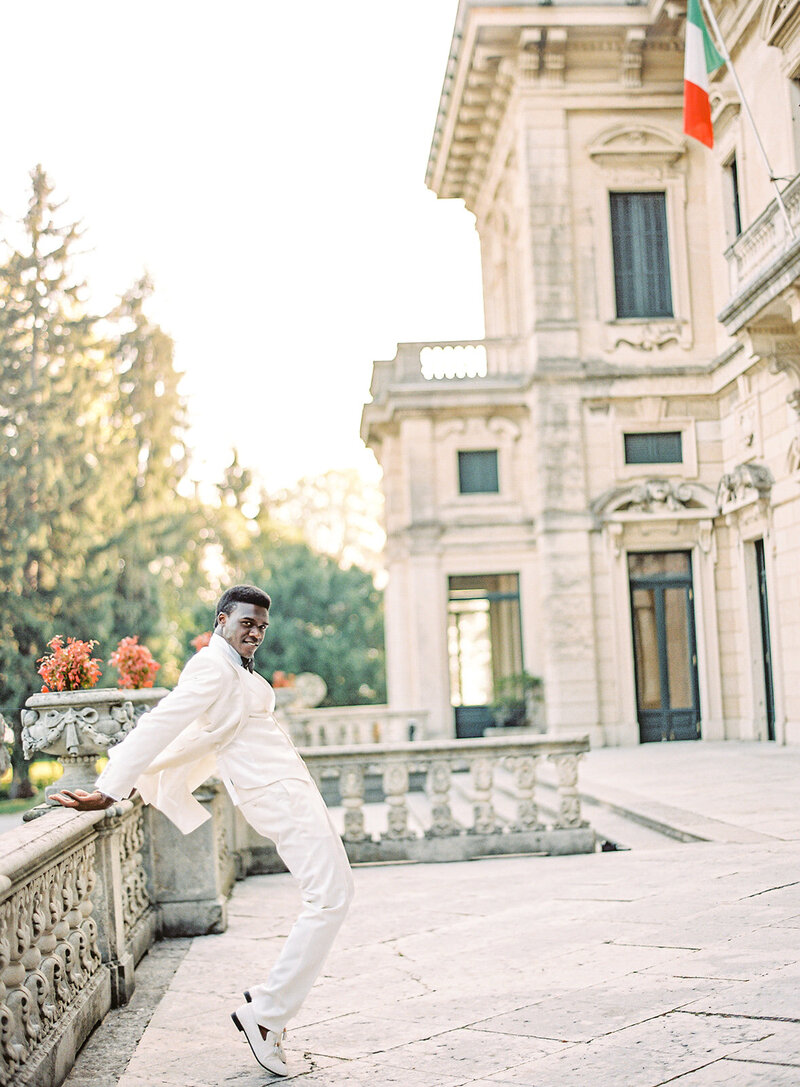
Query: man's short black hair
x=242, y=594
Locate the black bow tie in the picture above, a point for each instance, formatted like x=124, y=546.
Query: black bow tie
x=247, y=662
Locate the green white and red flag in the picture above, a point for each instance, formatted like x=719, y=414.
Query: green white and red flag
x=700, y=61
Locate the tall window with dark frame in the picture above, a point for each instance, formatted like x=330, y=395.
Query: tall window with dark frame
x=733, y=194
x=641, y=254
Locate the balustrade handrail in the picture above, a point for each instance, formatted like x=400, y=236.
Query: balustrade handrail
x=440, y=761
x=31, y=847
x=506, y=745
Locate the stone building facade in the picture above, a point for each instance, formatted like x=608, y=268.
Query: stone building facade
x=605, y=492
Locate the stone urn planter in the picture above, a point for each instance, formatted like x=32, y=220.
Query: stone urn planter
x=79, y=726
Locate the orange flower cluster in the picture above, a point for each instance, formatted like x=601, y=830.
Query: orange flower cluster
x=69, y=667
x=135, y=664
x=202, y=640
x=281, y=679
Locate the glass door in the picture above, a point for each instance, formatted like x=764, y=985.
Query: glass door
x=664, y=645
x=484, y=643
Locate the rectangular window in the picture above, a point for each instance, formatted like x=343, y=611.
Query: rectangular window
x=665, y=448
x=641, y=254
x=736, y=206
x=732, y=203
x=477, y=471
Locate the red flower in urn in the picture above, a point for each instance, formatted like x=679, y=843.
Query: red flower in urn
x=135, y=664
x=69, y=667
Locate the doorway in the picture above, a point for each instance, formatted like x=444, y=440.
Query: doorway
x=766, y=643
x=484, y=641
x=664, y=645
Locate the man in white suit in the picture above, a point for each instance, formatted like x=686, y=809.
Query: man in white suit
x=219, y=719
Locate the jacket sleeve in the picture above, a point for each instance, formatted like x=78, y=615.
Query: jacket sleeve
x=199, y=686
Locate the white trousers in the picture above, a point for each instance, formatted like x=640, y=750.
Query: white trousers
x=293, y=815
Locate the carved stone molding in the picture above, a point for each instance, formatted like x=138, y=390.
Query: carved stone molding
x=77, y=726
x=648, y=336
x=629, y=144
x=746, y=483
x=655, y=496
x=632, y=57
x=780, y=20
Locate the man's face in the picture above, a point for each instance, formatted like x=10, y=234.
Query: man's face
x=244, y=628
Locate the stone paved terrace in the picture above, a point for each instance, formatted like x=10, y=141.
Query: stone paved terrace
x=675, y=962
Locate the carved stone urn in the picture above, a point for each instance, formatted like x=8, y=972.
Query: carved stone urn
x=79, y=726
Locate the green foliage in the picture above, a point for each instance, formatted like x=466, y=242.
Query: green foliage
x=323, y=619
x=96, y=540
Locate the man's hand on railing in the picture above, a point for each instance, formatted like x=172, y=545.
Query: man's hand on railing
x=83, y=801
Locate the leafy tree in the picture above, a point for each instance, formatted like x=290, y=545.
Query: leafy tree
x=340, y=515
x=324, y=618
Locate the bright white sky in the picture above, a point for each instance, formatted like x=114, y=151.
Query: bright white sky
x=264, y=160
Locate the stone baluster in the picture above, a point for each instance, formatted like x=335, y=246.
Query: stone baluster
x=485, y=817
x=351, y=788
x=524, y=770
x=395, y=787
x=437, y=786
x=569, y=801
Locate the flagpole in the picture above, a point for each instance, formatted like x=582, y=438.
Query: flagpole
x=727, y=57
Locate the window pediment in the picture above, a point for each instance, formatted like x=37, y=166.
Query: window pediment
x=625, y=145
x=656, y=497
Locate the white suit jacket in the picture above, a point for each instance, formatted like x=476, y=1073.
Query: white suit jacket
x=173, y=748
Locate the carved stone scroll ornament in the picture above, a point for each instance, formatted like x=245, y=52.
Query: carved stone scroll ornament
x=73, y=726
x=660, y=494
x=395, y=787
x=569, y=801
x=649, y=337
x=351, y=787
x=524, y=770
x=79, y=726
x=48, y=957
x=484, y=817
x=439, y=779
x=746, y=483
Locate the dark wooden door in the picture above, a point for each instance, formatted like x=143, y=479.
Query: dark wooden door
x=664, y=645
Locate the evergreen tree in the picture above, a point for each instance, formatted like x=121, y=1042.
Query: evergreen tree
x=157, y=524
x=55, y=395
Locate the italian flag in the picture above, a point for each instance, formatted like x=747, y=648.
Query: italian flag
x=700, y=61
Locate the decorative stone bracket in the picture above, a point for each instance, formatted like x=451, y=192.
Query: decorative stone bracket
x=746, y=483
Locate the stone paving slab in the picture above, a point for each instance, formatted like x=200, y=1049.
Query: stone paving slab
x=734, y=792
x=532, y=976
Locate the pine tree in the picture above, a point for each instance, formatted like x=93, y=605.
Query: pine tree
x=55, y=396
x=157, y=525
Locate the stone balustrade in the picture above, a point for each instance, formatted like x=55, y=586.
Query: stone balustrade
x=756, y=259
x=82, y=896
x=75, y=917
x=451, y=359
x=443, y=800
x=355, y=725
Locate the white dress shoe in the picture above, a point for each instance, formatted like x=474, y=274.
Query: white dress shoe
x=267, y=1051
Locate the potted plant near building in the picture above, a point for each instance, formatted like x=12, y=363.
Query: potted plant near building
x=518, y=702
x=75, y=720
